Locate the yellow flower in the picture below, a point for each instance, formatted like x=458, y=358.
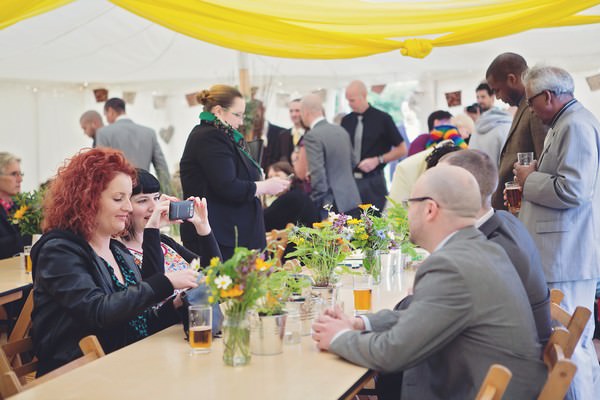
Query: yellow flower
x=353, y=221
x=233, y=292
x=211, y=299
x=20, y=213
x=214, y=261
x=318, y=225
x=262, y=265
x=365, y=207
x=364, y=236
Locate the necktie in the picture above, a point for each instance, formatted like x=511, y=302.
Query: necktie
x=358, y=134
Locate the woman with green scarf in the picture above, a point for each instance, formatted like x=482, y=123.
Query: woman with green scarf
x=216, y=165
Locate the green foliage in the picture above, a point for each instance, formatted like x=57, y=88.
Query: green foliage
x=398, y=219
x=370, y=232
x=28, y=212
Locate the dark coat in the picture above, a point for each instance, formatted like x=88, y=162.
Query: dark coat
x=74, y=296
x=213, y=166
x=11, y=241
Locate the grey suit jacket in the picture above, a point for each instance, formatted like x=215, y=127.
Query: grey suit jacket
x=330, y=162
x=526, y=133
x=506, y=230
x=139, y=144
x=561, y=200
x=469, y=311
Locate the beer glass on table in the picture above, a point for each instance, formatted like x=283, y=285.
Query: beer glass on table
x=27, y=258
x=362, y=290
x=200, y=317
x=513, y=196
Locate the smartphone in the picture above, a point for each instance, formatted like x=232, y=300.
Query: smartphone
x=181, y=210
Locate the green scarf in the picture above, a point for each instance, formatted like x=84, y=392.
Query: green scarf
x=233, y=134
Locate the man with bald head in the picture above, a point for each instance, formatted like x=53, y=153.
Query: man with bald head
x=454, y=326
x=375, y=140
x=330, y=161
x=527, y=132
x=90, y=122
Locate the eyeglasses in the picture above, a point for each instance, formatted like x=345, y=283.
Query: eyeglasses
x=530, y=100
x=15, y=174
x=405, y=202
x=236, y=114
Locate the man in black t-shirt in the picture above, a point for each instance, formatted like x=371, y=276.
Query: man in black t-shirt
x=379, y=143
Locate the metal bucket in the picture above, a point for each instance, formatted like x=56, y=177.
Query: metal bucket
x=266, y=334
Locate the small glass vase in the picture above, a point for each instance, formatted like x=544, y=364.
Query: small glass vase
x=372, y=265
x=236, y=340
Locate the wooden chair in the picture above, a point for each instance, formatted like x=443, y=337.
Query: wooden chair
x=15, y=380
x=23, y=324
x=574, y=324
x=277, y=241
x=495, y=383
x=560, y=369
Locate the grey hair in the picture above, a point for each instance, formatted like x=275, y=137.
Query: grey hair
x=6, y=158
x=553, y=79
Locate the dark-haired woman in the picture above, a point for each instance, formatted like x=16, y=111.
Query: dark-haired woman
x=216, y=165
x=86, y=283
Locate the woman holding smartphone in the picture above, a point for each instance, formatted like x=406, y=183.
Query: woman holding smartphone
x=147, y=201
x=87, y=283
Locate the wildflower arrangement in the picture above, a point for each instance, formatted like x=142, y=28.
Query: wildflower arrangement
x=280, y=286
x=28, y=212
x=371, y=232
x=238, y=282
x=398, y=218
x=321, y=247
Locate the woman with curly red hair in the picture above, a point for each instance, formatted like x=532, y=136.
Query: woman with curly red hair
x=85, y=282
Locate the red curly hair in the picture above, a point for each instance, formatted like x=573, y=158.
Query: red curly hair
x=73, y=198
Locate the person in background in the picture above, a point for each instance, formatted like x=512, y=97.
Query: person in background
x=216, y=165
x=435, y=119
x=330, y=161
x=86, y=282
x=527, y=132
x=375, y=142
x=291, y=206
x=147, y=200
x=90, y=122
x=492, y=127
x=465, y=126
x=290, y=138
x=11, y=241
x=138, y=143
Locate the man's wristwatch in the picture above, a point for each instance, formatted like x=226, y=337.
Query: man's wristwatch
x=380, y=158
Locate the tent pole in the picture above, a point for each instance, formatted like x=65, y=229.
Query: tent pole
x=244, y=74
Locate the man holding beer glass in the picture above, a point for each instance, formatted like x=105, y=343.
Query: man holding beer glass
x=560, y=205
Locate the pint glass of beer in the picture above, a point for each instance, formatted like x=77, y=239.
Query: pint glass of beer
x=200, y=328
x=27, y=256
x=513, y=196
x=362, y=288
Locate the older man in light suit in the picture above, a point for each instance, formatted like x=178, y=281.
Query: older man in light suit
x=561, y=205
x=453, y=326
x=139, y=143
x=330, y=159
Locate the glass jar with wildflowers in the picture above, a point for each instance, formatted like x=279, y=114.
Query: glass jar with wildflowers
x=238, y=284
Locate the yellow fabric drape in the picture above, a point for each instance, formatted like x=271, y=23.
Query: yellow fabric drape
x=338, y=28
x=13, y=11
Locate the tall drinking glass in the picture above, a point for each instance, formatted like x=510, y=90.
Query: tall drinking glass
x=513, y=196
x=362, y=289
x=200, y=317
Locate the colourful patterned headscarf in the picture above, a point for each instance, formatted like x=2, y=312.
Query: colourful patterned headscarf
x=443, y=132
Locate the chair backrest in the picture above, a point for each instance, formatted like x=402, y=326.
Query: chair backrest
x=575, y=323
x=23, y=324
x=495, y=383
x=560, y=369
x=14, y=380
x=277, y=241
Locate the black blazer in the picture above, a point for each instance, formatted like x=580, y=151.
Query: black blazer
x=294, y=206
x=273, y=150
x=11, y=241
x=74, y=296
x=212, y=166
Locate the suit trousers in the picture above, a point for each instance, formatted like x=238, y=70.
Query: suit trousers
x=587, y=379
x=373, y=189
